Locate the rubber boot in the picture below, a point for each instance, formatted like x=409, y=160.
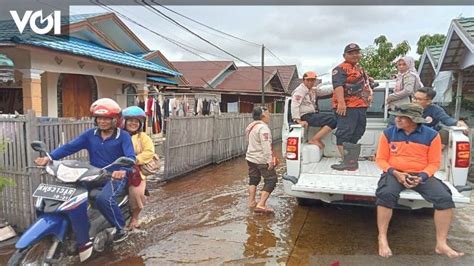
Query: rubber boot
x=351, y=155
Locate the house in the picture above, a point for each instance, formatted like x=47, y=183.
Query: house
x=456, y=57
x=239, y=88
x=60, y=76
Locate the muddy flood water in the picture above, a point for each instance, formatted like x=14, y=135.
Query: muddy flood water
x=203, y=219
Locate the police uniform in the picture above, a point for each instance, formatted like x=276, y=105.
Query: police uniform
x=303, y=107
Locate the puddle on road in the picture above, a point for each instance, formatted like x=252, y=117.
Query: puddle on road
x=203, y=219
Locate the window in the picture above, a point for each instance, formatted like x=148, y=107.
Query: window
x=131, y=92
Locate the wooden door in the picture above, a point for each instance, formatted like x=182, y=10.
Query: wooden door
x=77, y=95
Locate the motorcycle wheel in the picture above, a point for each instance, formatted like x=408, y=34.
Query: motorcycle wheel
x=32, y=255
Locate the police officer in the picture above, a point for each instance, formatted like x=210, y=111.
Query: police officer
x=305, y=112
x=352, y=96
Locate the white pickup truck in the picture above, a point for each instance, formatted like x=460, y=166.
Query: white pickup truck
x=310, y=176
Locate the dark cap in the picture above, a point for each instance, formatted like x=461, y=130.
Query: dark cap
x=351, y=47
x=412, y=110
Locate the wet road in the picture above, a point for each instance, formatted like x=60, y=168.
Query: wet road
x=203, y=219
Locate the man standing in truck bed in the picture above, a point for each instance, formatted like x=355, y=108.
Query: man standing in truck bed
x=352, y=96
x=409, y=154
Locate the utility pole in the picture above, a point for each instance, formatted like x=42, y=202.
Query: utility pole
x=263, y=75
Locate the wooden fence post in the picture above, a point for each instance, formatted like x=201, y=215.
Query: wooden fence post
x=33, y=175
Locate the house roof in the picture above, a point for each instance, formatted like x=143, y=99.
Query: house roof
x=157, y=57
x=201, y=73
x=154, y=79
x=83, y=48
x=460, y=38
x=428, y=63
x=77, y=46
x=287, y=74
x=457, y=54
x=249, y=79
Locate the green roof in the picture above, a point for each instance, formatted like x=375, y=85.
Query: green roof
x=467, y=25
x=435, y=52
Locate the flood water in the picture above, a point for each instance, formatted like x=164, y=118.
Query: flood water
x=203, y=219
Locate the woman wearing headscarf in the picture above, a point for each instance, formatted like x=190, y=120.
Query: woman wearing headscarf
x=134, y=124
x=407, y=82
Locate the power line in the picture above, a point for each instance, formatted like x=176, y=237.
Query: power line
x=182, y=46
x=270, y=51
x=204, y=25
x=199, y=36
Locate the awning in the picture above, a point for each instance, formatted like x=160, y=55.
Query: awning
x=161, y=80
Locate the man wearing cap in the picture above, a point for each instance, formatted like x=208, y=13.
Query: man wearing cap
x=352, y=96
x=304, y=111
x=409, y=153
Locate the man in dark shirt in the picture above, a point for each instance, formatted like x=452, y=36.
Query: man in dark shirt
x=434, y=114
x=351, y=98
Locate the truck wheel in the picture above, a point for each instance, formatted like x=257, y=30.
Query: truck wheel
x=308, y=202
x=32, y=255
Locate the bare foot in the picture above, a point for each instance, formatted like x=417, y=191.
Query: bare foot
x=133, y=224
x=317, y=143
x=384, y=249
x=446, y=250
x=252, y=204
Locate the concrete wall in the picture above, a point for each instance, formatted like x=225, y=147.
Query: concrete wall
x=109, y=78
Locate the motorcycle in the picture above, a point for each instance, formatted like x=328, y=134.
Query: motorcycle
x=64, y=208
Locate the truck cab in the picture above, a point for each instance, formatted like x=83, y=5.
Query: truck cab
x=310, y=176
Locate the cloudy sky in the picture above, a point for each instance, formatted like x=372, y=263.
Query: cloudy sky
x=312, y=37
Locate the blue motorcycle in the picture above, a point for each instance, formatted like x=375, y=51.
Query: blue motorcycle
x=65, y=211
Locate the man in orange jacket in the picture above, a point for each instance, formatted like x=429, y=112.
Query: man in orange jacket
x=409, y=154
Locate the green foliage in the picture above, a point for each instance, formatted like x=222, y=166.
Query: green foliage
x=3, y=180
x=429, y=40
x=378, y=60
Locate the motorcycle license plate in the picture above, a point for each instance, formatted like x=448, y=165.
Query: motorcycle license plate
x=54, y=192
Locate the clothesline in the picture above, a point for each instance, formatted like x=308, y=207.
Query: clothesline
x=167, y=94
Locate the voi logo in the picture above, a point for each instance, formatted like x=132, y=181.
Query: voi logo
x=53, y=20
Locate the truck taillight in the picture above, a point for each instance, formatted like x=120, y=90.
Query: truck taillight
x=292, y=148
x=463, y=154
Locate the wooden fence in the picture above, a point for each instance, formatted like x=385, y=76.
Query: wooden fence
x=191, y=143
x=194, y=142
x=16, y=160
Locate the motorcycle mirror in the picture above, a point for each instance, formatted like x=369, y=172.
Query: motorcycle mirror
x=38, y=146
x=124, y=161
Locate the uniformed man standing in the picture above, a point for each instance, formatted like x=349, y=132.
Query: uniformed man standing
x=352, y=96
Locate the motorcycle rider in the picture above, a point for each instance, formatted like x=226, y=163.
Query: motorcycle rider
x=104, y=144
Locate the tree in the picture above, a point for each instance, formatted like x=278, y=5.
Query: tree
x=378, y=60
x=429, y=40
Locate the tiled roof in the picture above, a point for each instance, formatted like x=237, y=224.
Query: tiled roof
x=435, y=52
x=199, y=73
x=9, y=33
x=80, y=47
x=286, y=73
x=246, y=79
x=467, y=25
x=162, y=80
x=9, y=30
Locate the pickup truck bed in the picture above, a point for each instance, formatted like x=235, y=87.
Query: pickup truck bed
x=320, y=177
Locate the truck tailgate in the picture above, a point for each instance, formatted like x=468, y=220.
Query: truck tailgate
x=319, y=177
